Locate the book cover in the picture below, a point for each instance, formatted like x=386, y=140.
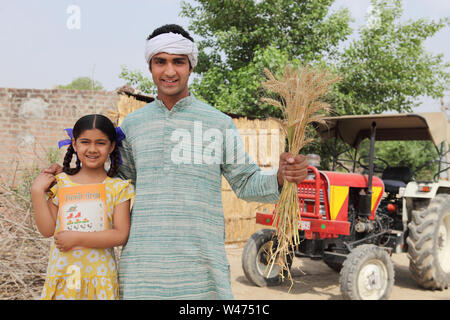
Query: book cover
x=83, y=208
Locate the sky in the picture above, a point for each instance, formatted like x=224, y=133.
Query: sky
x=44, y=43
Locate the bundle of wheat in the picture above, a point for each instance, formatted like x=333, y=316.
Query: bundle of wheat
x=298, y=93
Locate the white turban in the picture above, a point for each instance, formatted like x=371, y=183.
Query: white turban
x=171, y=43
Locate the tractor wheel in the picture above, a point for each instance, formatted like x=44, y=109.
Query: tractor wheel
x=367, y=274
x=255, y=259
x=429, y=244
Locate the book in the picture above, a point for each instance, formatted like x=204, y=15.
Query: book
x=83, y=208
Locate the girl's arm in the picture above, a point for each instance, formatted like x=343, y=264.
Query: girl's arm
x=45, y=211
x=117, y=236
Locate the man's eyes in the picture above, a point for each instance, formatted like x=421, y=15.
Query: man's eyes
x=179, y=62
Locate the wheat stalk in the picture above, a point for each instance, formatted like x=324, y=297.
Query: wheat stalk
x=299, y=91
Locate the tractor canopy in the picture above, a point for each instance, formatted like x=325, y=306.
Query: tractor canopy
x=431, y=126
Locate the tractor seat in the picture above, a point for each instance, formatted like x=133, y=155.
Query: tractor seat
x=395, y=178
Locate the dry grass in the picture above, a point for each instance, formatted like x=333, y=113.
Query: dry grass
x=23, y=251
x=298, y=95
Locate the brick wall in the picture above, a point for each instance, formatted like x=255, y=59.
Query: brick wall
x=32, y=121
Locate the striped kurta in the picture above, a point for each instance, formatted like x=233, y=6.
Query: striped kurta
x=176, y=247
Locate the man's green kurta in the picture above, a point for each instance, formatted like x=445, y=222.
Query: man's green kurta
x=176, y=247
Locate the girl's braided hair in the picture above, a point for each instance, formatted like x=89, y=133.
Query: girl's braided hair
x=93, y=121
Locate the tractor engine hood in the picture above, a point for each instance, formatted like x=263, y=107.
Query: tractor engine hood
x=339, y=185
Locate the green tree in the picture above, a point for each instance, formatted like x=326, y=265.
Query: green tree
x=233, y=52
x=82, y=83
x=304, y=29
x=239, y=91
x=387, y=67
x=417, y=155
x=137, y=80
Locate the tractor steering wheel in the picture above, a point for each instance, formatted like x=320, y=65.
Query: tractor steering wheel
x=376, y=168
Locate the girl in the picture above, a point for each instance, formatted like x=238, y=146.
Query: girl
x=86, y=198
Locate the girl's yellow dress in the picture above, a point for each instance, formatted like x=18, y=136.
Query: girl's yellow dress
x=85, y=273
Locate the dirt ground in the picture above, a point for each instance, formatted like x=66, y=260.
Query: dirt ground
x=314, y=280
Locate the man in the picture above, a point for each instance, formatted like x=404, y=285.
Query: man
x=176, y=247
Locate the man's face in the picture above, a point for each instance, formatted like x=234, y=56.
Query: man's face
x=170, y=73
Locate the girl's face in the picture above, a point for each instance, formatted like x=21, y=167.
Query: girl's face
x=93, y=148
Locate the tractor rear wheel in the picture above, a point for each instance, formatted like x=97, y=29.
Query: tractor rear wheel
x=429, y=244
x=255, y=259
x=367, y=274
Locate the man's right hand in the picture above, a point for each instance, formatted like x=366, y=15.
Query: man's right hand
x=54, y=169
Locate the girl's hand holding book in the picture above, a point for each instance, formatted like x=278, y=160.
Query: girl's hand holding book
x=66, y=240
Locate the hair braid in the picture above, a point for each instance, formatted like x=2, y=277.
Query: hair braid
x=68, y=159
x=114, y=168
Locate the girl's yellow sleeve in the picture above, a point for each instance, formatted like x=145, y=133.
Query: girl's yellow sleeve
x=125, y=191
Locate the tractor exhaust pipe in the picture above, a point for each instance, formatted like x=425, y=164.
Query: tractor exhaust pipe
x=365, y=201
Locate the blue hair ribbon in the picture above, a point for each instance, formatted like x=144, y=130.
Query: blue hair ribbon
x=67, y=141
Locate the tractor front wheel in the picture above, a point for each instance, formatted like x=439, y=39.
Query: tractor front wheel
x=367, y=274
x=255, y=259
x=429, y=244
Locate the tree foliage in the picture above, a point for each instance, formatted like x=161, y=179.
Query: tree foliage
x=137, y=80
x=419, y=156
x=82, y=83
x=302, y=29
x=387, y=67
x=268, y=34
x=239, y=91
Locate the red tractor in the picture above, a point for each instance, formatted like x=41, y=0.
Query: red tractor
x=355, y=222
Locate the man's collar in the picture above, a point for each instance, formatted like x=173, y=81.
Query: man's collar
x=182, y=103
